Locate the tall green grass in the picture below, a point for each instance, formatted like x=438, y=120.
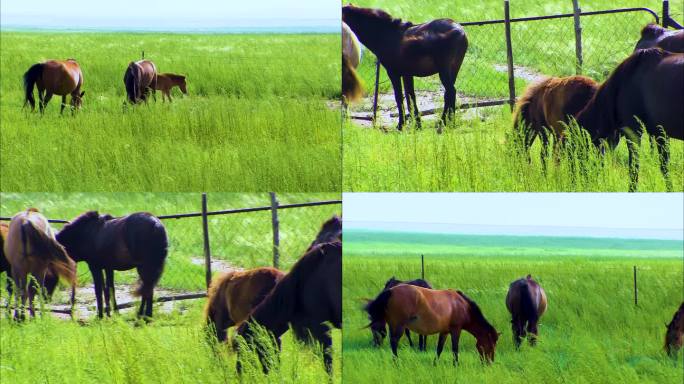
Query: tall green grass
x=476, y=152
x=255, y=118
x=591, y=332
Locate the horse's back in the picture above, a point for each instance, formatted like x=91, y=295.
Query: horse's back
x=61, y=77
x=246, y=289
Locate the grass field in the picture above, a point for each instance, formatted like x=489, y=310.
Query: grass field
x=474, y=153
x=171, y=348
x=591, y=332
x=255, y=119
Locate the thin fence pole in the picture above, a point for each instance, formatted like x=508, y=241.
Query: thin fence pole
x=143, y=55
x=509, y=54
x=636, y=290
x=422, y=267
x=375, y=92
x=666, y=13
x=276, y=230
x=207, y=249
x=578, y=37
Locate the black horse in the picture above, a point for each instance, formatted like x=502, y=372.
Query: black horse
x=407, y=50
x=308, y=297
x=108, y=244
x=331, y=230
x=379, y=329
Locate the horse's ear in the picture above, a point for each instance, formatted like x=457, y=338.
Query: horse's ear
x=82, y=93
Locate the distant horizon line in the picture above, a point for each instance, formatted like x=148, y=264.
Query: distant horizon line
x=274, y=29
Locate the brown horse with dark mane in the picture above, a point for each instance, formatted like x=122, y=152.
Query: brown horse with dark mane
x=646, y=88
x=107, y=244
x=140, y=79
x=54, y=77
x=31, y=250
x=166, y=82
x=427, y=311
x=379, y=329
x=674, y=338
x=547, y=104
x=526, y=301
x=653, y=35
x=407, y=50
x=308, y=297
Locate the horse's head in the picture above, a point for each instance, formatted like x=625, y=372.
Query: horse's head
x=77, y=99
x=379, y=332
x=182, y=84
x=77, y=236
x=487, y=344
x=674, y=337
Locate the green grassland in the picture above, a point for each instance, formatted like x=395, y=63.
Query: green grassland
x=171, y=348
x=255, y=118
x=475, y=151
x=591, y=332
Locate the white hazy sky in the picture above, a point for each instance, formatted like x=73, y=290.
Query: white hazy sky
x=169, y=14
x=638, y=215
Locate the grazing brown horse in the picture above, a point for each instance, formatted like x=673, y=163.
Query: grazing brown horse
x=547, y=104
x=526, y=301
x=646, y=87
x=31, y=250
x=653, y=35
x=407, y=50
x=233, y=295
x=674, y=338
x=166, y=82
x=308, y=297
x=379, y=329
x=108, y=244
x=352, y=88
x=427, y=311
x=54, y=77
x=140, y=79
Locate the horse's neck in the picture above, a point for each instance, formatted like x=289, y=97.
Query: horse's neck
x=476, y=329
x=382, y=41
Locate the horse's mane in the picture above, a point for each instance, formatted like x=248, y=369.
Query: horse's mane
x=652, y=30
x=476, y=312
x=677, y=318
x=81, y=221
x=330, y=227
x=381, y=16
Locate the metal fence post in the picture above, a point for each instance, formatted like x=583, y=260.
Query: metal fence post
x=276, y=230
x=636, y=290
x=509, y=54
x=207, y=249
x=578, y=36
x=422, y=267
x=143, y=54
x=375, y=92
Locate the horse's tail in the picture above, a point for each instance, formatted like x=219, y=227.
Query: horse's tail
x=376, y=308
x=529, y=310
x=47, y=248
x=156, y=249
x=30, y=78
x=352, y=88
x=131, y=82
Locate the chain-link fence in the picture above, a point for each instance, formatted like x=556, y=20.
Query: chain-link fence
x=499, y=64
x=273, y=230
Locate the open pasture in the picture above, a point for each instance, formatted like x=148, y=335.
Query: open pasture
x=475, y=152
x=591, y=331
x=255, y=116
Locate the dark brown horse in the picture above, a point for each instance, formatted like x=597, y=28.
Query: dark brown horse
x=646, y=88
x=308, y=297
x=526, y=301
x=166, y=82
x=108, y=244
x=31, y=250
x=331, y=230
x=233, y=295
x=547, y=104
x=379, y=329
x=674, y=338
x=653, y=35
x=407, y=50
x=54, y=77
x=140, y=79
x=427, y=311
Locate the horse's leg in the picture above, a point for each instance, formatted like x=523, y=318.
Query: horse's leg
x=109, y=284
x=422, y=343
x=664, y=154
x=321, y=333
x=440, y=345
x=448, y=81
x=544, y=154
x=455, y=335
x=107, y=292
x=517, y=327
x=411, y=103
x=98, y=282
x=532, y=331
x=46, y=100
x=395, y=336
x=633, y=149
x=61, y=108
x=19, y=301
x=408, y=336
x=398, y=97
x=41, y=99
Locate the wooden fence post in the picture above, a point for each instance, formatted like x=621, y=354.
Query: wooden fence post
x=207, y=249
x=509, y=54
x=636, y=290
x=578, y=37
x=422, y=267
x=276, y=230
x=143, y=54
x=375, y=92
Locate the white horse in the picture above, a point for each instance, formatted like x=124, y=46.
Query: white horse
x=352, y=89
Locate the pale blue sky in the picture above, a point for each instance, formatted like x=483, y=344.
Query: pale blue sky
x=639, y=215
x=170, y=14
